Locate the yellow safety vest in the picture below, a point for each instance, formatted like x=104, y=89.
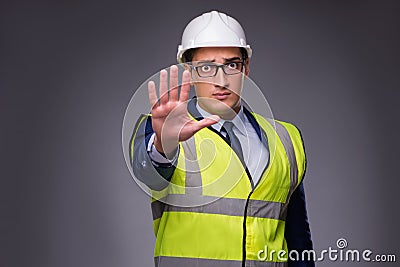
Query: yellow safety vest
x=237, y=223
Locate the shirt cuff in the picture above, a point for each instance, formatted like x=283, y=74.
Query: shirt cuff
x=156, y=157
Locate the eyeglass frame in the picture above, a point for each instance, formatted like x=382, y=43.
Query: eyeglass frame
x=243, y=62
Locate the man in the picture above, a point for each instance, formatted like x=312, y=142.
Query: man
x=227, y=183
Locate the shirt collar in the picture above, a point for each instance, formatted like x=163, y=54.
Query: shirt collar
x=238, y=120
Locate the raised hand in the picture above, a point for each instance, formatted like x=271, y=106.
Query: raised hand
x=170, y=120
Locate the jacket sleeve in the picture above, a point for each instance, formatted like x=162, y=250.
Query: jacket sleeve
x=155, y=175
x=297, y=231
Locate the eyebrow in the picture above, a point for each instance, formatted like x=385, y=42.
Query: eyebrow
x=226, y=60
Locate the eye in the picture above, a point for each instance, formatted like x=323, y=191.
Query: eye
x=232, y=65
x=205, y=68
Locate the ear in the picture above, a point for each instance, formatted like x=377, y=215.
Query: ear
x=186, y=66
x=246, y=67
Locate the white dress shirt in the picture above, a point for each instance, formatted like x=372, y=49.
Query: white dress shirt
x=255, y=153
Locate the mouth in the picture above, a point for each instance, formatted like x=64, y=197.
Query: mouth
x=221, y=95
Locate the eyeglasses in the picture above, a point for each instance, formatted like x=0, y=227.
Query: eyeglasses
x=206, y=70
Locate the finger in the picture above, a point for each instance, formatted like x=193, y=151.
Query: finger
x=163, y=87
x=206, y=122
x=152, y=94
x=173, y=83
x=185, y=87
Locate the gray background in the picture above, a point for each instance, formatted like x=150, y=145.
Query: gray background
x=69, y=68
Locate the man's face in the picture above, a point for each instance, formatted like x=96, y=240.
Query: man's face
x=219, y=94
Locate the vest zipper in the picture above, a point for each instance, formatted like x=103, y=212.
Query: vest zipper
x=245, y=230
x=247, y=204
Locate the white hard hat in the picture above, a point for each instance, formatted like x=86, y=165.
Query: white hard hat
x=213, y=29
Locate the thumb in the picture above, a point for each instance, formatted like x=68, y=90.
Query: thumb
x=207, y=122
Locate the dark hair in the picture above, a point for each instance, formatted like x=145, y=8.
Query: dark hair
x=189, y=54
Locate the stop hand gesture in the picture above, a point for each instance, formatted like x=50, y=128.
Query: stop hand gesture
x=170, y=119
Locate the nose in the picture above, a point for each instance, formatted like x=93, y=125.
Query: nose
x=220, y=79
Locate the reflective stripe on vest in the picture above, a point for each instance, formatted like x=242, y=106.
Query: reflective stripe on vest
x=174, y=262
x=224, y=206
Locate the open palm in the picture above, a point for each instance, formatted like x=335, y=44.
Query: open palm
x=170, y=119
